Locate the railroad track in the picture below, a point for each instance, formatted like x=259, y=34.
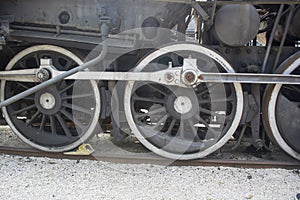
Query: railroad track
x=153, y=159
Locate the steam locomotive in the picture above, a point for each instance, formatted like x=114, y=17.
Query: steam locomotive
x=183, y=76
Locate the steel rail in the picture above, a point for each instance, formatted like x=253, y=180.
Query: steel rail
x=153, y=159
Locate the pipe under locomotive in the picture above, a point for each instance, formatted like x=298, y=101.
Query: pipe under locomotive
x=72, y=68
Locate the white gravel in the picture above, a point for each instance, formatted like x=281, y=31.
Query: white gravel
x=43, y=178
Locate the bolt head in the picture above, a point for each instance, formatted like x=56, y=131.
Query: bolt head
x=43, y=75
x=169, y=77
x=189, y=77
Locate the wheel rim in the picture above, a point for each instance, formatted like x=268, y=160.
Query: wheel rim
x=282, y=102
x=55, y=119
x=171, y=112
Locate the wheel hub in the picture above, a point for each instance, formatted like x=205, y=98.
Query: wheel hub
x=49, y=101
x=182, y=104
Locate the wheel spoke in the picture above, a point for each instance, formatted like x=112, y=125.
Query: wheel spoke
x=206, y=90
x=163, y=119
x=73, y=119
x=154, y=87
x=76, y=96
x=53, y=125
x=209, y=64
x=24, y=109
x=63, y=125
x=147, y=99
x=42, y=123
x=181, y=129
x=67, y=88
x=22, y=65
x=171, y=127
x=68, y=64
x=37, y=60
x=200, y=93
x=22, y=85
x=194, y=130
x=33, y=118
x=221, y=100
x=292, y=87
x=77, y=108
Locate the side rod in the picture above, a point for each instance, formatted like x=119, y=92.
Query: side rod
x=249, y=78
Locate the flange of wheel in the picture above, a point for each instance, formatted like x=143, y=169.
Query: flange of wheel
x=281, y=109
x=58, y=118
x=183, y=123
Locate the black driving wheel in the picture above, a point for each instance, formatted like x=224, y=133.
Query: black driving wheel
x=58, y=118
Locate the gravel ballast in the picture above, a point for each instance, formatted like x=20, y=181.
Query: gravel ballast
x=44, y=178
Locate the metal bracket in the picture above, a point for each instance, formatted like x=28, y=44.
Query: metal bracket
x=5, y=20
x=4, y=30
x=8, y=18
x=255, y=122
x=82, y=150
x=2, y=41
x=105, y=96
x=250, y=108
x=251, y=114
x=200, y=11
x=105, y=26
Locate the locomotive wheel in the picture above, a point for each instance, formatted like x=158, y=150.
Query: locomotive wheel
x=183, y=123
x=57, y=118
x=282, y=110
